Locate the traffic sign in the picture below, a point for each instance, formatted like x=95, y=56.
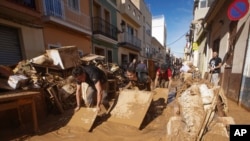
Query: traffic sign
x=237, y=9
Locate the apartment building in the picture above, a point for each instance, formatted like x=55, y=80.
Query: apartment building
x=67, y=23
x=28, y=28
x=159, y=32
x=130, y=20
x=200, y=10
x=230, y=38
x=159, y=29
x=21, y=31
x=104, y=24
x=158, y=51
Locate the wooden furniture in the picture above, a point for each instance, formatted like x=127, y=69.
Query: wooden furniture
x=16, y=99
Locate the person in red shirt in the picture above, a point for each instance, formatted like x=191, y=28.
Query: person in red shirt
x=163, y=77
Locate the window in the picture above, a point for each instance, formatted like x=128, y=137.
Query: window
x=136, y=33
x=54, y=8
x=106, y=15
x=203, y=4
x=99, y=51
x=96, y=10
x=130, y=30
x=110, y=58
x=74, y=4
x=148, y=29
x=134, y=12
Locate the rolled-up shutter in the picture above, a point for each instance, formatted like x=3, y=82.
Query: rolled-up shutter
x=10, y=50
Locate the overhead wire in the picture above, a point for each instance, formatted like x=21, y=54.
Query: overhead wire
x=177, y=39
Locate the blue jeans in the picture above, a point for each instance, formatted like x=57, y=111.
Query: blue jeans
x=215, y=79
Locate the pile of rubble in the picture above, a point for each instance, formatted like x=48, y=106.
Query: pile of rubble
x=50, y=73
x=200, y=112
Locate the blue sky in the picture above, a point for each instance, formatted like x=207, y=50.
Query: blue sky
x=178, y=15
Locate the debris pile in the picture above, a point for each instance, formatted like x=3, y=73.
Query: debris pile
x=50, y=73
x=200, y=111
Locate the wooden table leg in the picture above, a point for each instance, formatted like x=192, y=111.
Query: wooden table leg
x=34, y=116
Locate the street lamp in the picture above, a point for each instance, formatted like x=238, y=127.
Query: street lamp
x=187, y=37
x=123, y=26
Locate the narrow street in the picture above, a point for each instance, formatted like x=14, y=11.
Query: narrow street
x=126, y=70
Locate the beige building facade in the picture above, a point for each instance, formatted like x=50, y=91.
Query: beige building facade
x=135, y=39
x=67, y=24
x=230, y=39
x=21, y=31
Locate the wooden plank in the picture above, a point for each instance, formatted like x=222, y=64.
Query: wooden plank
x=84, y=118
x=54, y=93
x=9, y=105
x=91, y=57
x=17, y=95
x=131, y=107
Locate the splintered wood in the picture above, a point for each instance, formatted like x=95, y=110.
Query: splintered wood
x=131, y=107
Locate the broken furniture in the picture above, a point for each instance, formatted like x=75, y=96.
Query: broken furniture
x=17, y=99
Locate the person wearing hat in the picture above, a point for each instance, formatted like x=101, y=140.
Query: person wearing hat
x=163, y=77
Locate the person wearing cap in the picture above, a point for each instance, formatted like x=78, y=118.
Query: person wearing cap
x=163, y=77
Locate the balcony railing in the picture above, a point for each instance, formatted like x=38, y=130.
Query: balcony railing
x=130, y=41
x=60, y=10
x=54, y=8
x=103, y=27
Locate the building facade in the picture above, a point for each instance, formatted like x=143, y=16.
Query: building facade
x=159, y=32
x=159, y=29
x=130, y=35
x=230, y=38
x=21, y=31
x=104, y=28
x=67, y=23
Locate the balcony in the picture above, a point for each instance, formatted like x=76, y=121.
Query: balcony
x=129, y=41
x=129, y=10
x=149, y=55
x=21, y=11
x=160, y=56
x=104, y=28
x=57, y=11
